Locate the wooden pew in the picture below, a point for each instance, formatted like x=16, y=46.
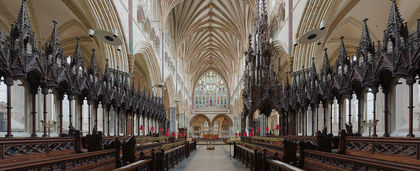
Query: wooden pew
x=143, y=151
x=138, y=165
x=319, y=161
x=395, y=153
x=98, y=160
x=133, y=151
x=166, y=159
x=191, y=146
x=163, y=159
x=353, y=159
x=274, y=149
x=244, y=155
x=16, y=150
x=271, y=164
x=140, y=144
x=259, y=158
x=94, y=141
x=144, y=148
x=401, y=150
x=283, y=149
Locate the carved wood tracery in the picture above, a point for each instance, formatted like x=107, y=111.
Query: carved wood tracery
x=48, y=69
x=396, y=56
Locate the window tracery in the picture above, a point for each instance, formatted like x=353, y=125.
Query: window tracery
x=210, y=90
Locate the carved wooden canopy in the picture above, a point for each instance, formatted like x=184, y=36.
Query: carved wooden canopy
x=396, y=56
x=21, y=57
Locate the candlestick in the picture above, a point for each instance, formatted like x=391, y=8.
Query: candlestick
x=370, y=124
x=48, y=125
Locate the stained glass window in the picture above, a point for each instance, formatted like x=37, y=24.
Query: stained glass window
x=210, y=90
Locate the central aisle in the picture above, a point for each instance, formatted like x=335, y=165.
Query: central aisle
x=211, y=160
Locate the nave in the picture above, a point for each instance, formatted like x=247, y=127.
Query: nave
x=211, y=160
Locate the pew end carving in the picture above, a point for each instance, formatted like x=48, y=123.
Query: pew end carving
x=94, y=140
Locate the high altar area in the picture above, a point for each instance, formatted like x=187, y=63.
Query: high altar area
x=262, y=85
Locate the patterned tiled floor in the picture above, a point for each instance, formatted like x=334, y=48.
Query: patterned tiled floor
x=210, y=160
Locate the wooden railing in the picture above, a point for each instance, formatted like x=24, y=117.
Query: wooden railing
x=353, y=153
x=24, y=149
x=318, y=160
x=143, y=140
x=143, y=150
x=101, y=160
x=403, y=150
x=285, y=149
x=168, y=159
x=68, y=152
x=245, y=155
x=258, y=160
x=161, y=160
x=192, y=145
x=276, y=147
x=278, y=165
x=162, y=157
x=141, y=165
x=132, y=151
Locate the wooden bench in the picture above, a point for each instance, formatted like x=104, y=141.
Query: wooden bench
x=271, y=164
x=138, y=165
x=244, y=155
x=162, y=159
x=283, y=149
x=401, y=150
x=132, y=151
x=319, y=161
x=98, y=160
x=26, y=149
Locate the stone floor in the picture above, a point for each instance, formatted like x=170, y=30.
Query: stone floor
x=211, y=160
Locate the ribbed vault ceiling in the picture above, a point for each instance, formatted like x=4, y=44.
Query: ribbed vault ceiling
x=209, y=34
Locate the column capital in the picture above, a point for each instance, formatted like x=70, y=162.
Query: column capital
x=44, y=91
x=8, y=81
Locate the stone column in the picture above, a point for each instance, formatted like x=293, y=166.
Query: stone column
x=103, y=120
x=386, y=112
x=410, y=81
x=349, y=97
x=359, y=113
x=138, y=124
x=33, y=93
x=172, y=122
x=96, y=115
x=147, y=128
x=181, y=120
x=81, y=115
x=60, y=102
x=340, y=112
x=144, y=124
x=115, y=122
x=70, y=98
x=45, y=93
x=331, y=114
x=107, y=119
x=89, y=117
x=374, y=91
x=9, y=83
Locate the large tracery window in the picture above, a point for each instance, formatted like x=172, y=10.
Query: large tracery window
x=210, y=90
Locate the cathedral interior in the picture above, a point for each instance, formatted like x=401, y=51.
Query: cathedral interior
x=258, y=85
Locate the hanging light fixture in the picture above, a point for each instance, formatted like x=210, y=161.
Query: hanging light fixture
x=108, y=37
